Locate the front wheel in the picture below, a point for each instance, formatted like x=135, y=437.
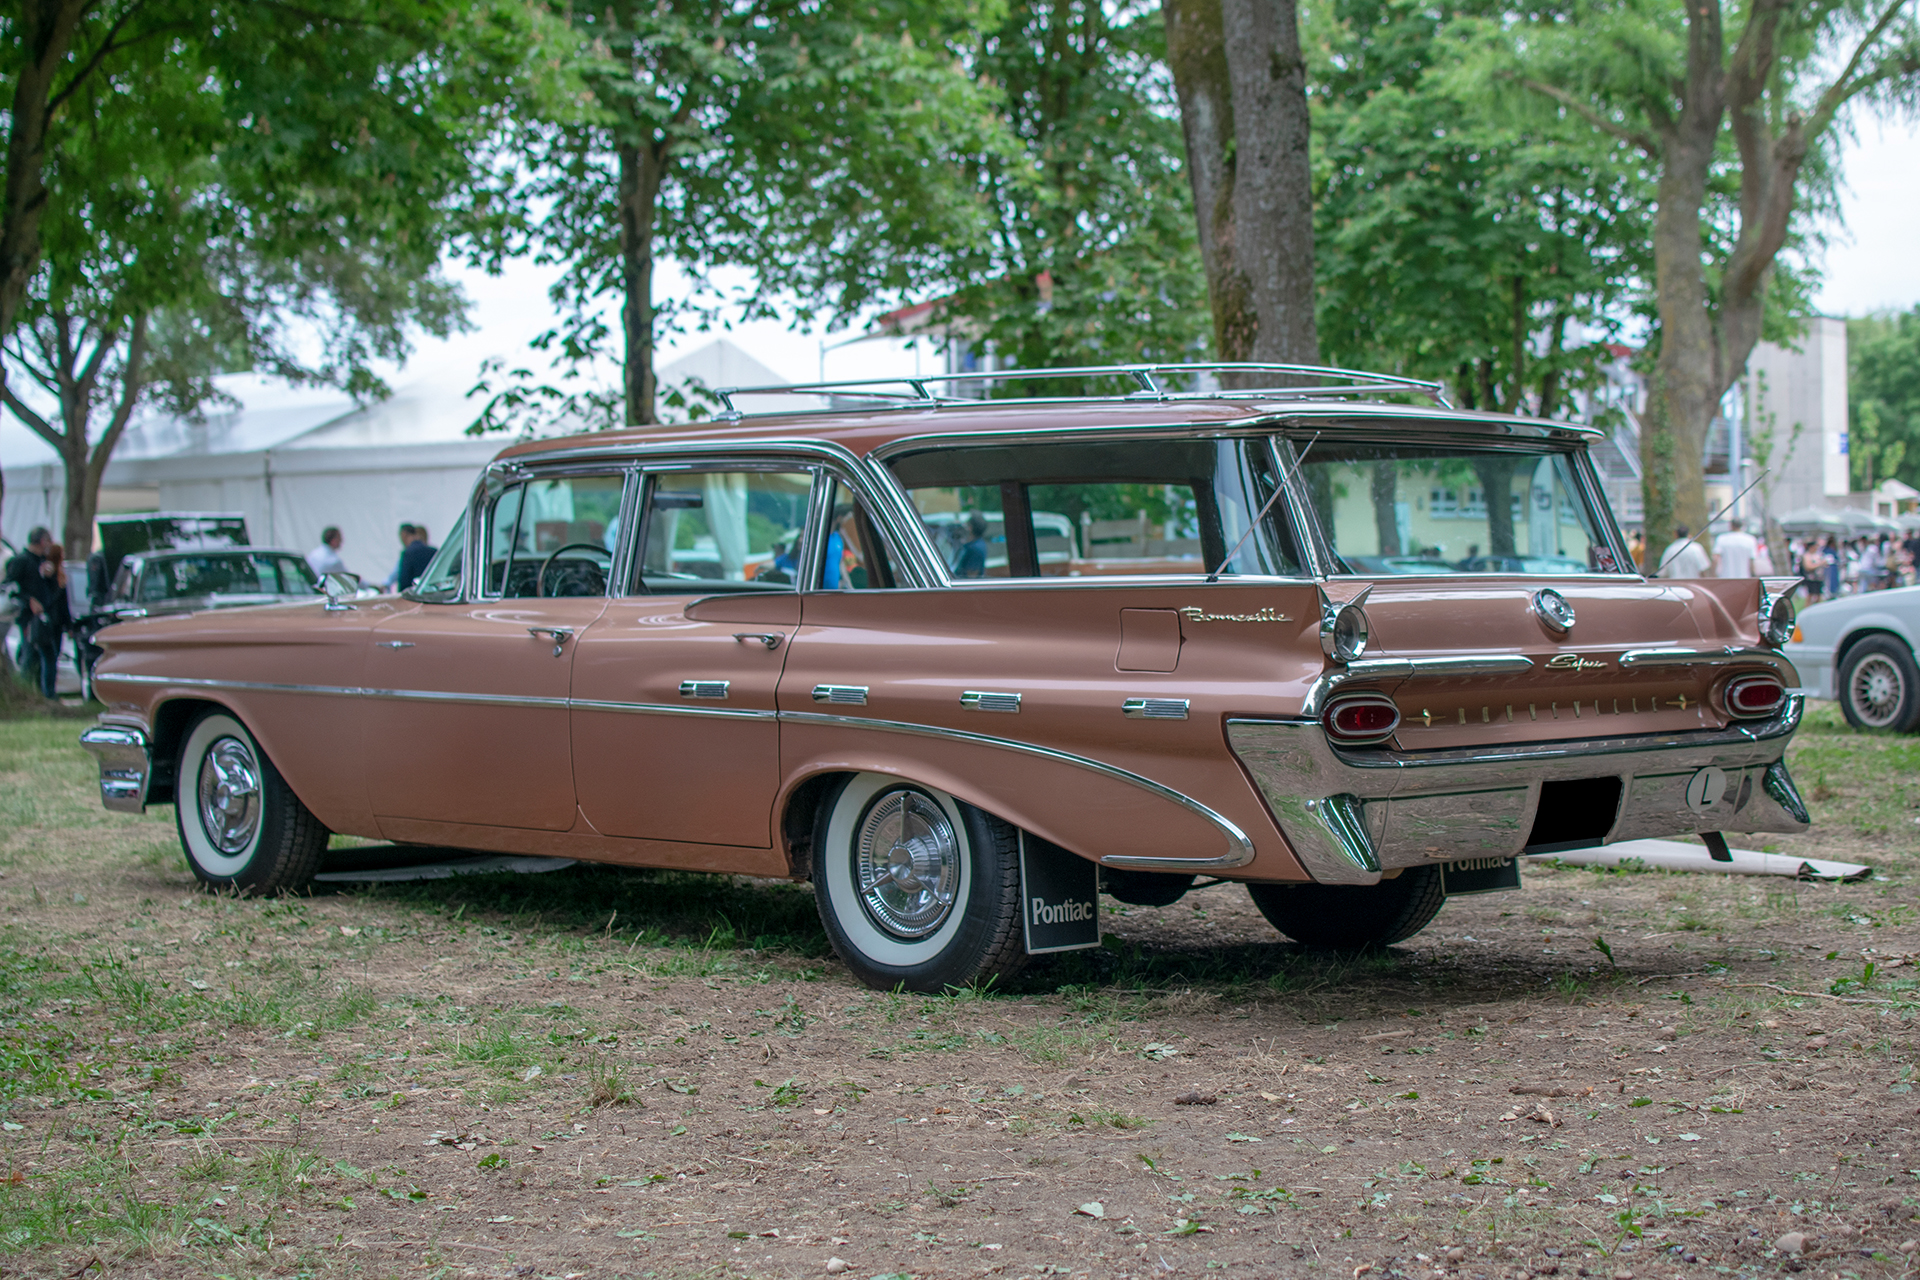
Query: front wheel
x=240, y=823
x=1879, y=686
x=1348, y=917
x=917, y=889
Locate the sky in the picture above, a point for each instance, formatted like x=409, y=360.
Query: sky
x=1873, y=264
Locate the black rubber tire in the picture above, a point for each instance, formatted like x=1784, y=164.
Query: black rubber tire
x=1349, y=917
x=979, y=938
x=287, y=842
x=1879, y=685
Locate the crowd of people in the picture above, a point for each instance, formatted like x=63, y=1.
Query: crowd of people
x=1830, y=564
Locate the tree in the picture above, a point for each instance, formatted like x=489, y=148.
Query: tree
x=1452, y=244
x=817, y=145
x=1733, y=131
x=265, y=189
x=1089, y=255
x=1883, y=398
x=1241, y=81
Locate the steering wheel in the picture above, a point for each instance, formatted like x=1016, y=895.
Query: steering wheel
x=540, y=579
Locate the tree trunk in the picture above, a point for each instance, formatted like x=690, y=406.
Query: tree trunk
x=1241, y=82
x=46, y=34
x=640, y=173
x=1386, y=519
x=1496, y=487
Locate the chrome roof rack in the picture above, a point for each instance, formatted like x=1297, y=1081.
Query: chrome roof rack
x=1304, y=381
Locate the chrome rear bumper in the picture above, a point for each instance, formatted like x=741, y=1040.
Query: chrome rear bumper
x=126, y=765
x=1351, y=815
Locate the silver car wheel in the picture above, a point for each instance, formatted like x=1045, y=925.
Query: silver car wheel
x=1877, y=691
x=229, y=794
x=907, y=857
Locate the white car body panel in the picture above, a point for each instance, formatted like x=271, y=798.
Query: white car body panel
x=1827, y=628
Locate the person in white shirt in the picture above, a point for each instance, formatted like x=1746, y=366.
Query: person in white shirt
x=325, y=558
x=1683, y=557
x=1734, y=551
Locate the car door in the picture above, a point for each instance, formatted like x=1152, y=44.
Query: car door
x=467, y=719
x=675, y=729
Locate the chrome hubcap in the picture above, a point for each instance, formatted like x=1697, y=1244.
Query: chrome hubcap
x=907, y=858
x=1876, y=691
x=229, y=790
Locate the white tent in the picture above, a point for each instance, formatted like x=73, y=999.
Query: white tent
x=294, y=461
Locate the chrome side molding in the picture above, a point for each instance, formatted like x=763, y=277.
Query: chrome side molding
x=845, y=695
x=1155, y=708
x=976, y=700
x=704, y=688
x=1727, y=656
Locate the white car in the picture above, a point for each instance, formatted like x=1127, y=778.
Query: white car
x=1859, y=651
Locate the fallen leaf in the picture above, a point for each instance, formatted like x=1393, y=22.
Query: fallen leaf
x=1272, y=1097
x=1092, y=1209
x=1159, y=1052
x=1241, y=1137
x=1388, y=1035
x=1195, y=1098
x=836, y=1265
x=1689, y=1137
x=1550, y=1091
x=1792, y=1242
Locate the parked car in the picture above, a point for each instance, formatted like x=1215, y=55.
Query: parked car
x=959, y=766
x=1859, y=651
x=162, y=583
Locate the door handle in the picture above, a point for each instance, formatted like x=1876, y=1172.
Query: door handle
x=560, y=636
x=395, y=644
x=771, y=639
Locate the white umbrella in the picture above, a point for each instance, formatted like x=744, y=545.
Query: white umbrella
x=1811, y=518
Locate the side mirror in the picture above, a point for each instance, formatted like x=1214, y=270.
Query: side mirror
x=339, y=588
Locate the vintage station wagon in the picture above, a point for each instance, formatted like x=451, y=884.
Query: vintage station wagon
x=1331, y=638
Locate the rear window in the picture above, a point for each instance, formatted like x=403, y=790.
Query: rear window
x=179, y=577
x=1102, y=508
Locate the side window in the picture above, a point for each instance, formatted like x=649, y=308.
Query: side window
x=554, y=537
x=856, y=558
x=710, y=531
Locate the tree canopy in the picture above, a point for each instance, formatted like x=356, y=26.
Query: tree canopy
x=1883, y=398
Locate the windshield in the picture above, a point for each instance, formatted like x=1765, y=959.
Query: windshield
x=1446, y=508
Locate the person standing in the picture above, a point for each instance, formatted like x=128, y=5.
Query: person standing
x=1734, y=551
x=972, y=562
x=1683, y=557
x=406, y=540
x=325, y=558
x=418, y=555
x=35, y=575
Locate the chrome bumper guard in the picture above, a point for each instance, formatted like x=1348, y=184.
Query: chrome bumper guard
x=126, y=765
x=1351, y=815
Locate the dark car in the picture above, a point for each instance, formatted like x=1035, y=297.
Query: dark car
x=155, y=583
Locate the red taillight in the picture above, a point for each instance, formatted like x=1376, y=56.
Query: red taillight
x=1748, y=696
x=1361, y=719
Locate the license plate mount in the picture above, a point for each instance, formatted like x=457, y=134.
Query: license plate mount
x=1480, y=875
x=1059, y=898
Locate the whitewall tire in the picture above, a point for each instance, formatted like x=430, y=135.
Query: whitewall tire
x=241, y=825
x=915, y=888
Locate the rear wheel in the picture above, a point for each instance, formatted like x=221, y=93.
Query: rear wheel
x=917, y=889
x=240, y=823
x=1351, y=916
x=1879, y=685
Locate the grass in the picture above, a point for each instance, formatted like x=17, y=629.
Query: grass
x=105, y=1012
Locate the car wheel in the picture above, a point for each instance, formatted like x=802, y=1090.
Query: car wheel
x=1879, y=685
x=1351, y=916
x=240, y=823
x=917, y=889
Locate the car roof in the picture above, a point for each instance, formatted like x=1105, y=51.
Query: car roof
x=175, y=553
x=868, y=431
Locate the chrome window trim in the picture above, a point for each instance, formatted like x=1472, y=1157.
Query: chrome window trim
x=479, y=524
x=647, y=473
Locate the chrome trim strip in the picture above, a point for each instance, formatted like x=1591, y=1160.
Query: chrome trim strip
x=1239, y=847
x=846, y=695
x=1727, y=656
x=1155, y=708
x=668, y=709
x=1470, y=664
x=977, y=700
x=705, y=688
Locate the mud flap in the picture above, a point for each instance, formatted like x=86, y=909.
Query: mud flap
x=1481, y=875
x=1059, y=898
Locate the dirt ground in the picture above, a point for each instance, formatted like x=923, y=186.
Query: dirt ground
x=598, y=1072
